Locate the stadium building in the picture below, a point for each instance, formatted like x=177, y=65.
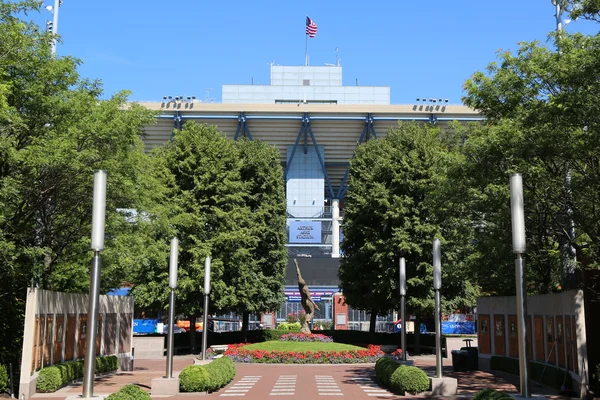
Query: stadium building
x=316, y=123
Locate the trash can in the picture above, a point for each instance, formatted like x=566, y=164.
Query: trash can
x=472, y=362
x=459, y=360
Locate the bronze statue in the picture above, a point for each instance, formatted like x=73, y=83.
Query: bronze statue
x=307, y=303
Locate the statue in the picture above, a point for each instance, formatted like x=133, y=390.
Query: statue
x=307, y=303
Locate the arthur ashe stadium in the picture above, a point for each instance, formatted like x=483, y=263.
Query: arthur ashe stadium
x=316, y=123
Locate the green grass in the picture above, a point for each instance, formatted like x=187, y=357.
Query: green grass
x=300, y=346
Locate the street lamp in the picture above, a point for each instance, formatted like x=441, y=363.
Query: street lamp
x=518, y=235
x=437, y=285
x=54, y=11
x=172, y=285
x=402, y=307
x=98, y=221
x=206, y=293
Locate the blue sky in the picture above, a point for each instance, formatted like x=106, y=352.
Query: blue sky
x=185, y=47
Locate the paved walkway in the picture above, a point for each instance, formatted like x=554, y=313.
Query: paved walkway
x=268, y=381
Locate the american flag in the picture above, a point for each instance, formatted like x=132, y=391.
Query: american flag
x=311, y=28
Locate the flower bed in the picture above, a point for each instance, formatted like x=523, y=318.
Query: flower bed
x=369, y=355
x=304, y=337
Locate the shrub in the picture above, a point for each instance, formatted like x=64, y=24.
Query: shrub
x=130, y=392
x=194, y=378
x=384, y=368
x=410, y=380
x=3, y=378
x=289, y=326
x=304, y=337
x=207, y=378
x=49, y=380
x=52, y=378
x=491, y=394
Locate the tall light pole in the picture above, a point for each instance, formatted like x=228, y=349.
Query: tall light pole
x=98, y=221
x=206, y=293
x=437, y=285
x=402, y=307
x=54, y=11
x=172, y=285
x=518, y=236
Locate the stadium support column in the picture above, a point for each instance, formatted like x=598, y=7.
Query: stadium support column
x=335, y=228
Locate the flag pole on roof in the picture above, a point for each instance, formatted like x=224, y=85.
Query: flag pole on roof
x=311, y=31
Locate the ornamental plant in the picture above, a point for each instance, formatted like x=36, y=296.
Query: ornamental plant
x=238, y=354
x=305, y=337
x=130, y=392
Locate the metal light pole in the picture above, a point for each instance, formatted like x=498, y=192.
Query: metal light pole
x=172, y=285
x=206, y=293
x=518, y=236
x=98, y=220
x=54, y=11
x=402, y=307
x=437, y=285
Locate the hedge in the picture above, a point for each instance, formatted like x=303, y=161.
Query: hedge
x=348, y=337
x=400, y=377
x=491, y=394
x=207, y=378
x=53, y=377
x=407, y=379
x=3, y=378
x=552, y=376
x=130, y=392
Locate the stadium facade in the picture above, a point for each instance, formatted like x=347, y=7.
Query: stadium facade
x=316, y=123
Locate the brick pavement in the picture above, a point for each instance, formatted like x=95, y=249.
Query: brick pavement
x=268, y=381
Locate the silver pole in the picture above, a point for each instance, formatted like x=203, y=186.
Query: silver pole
x=206, y=294
x=402, y=285
x=403, y=329
x=55, y=24
x=170, y=338
x=205, y=327
x=522, y=325
x=438, y=334
x=89, y=365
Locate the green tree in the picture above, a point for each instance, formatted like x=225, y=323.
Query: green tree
x=260, y=287
x=547, y=98
x=229, y=204
x=54, y=133
x=394, y=210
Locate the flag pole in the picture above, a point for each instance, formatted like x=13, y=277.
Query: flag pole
x=306, y=51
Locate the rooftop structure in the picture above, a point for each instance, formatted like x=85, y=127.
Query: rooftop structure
x=304, y=84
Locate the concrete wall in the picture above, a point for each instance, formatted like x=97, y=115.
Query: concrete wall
x=149, y=347
x=56, y=328
x=556, y=331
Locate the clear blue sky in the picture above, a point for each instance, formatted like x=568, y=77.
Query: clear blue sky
x=418, y=48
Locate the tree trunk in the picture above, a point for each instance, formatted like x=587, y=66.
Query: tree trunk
x=373, y=322
x=193, y=346
x=245, y=319
x=417, y=331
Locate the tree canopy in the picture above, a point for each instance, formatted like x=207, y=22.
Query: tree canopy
x=394, y=209
x=55, y=131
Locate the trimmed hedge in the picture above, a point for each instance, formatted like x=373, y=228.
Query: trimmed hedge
x=491, y=394
x=3, y=378
x=130, y=392
x=52, y=378
x=348, y=337
x=207, y=378
x=552, y=376
x=401, y=378
x=407, y=379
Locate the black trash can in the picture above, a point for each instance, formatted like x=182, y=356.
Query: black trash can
x=459, y=360
x=472, y=361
